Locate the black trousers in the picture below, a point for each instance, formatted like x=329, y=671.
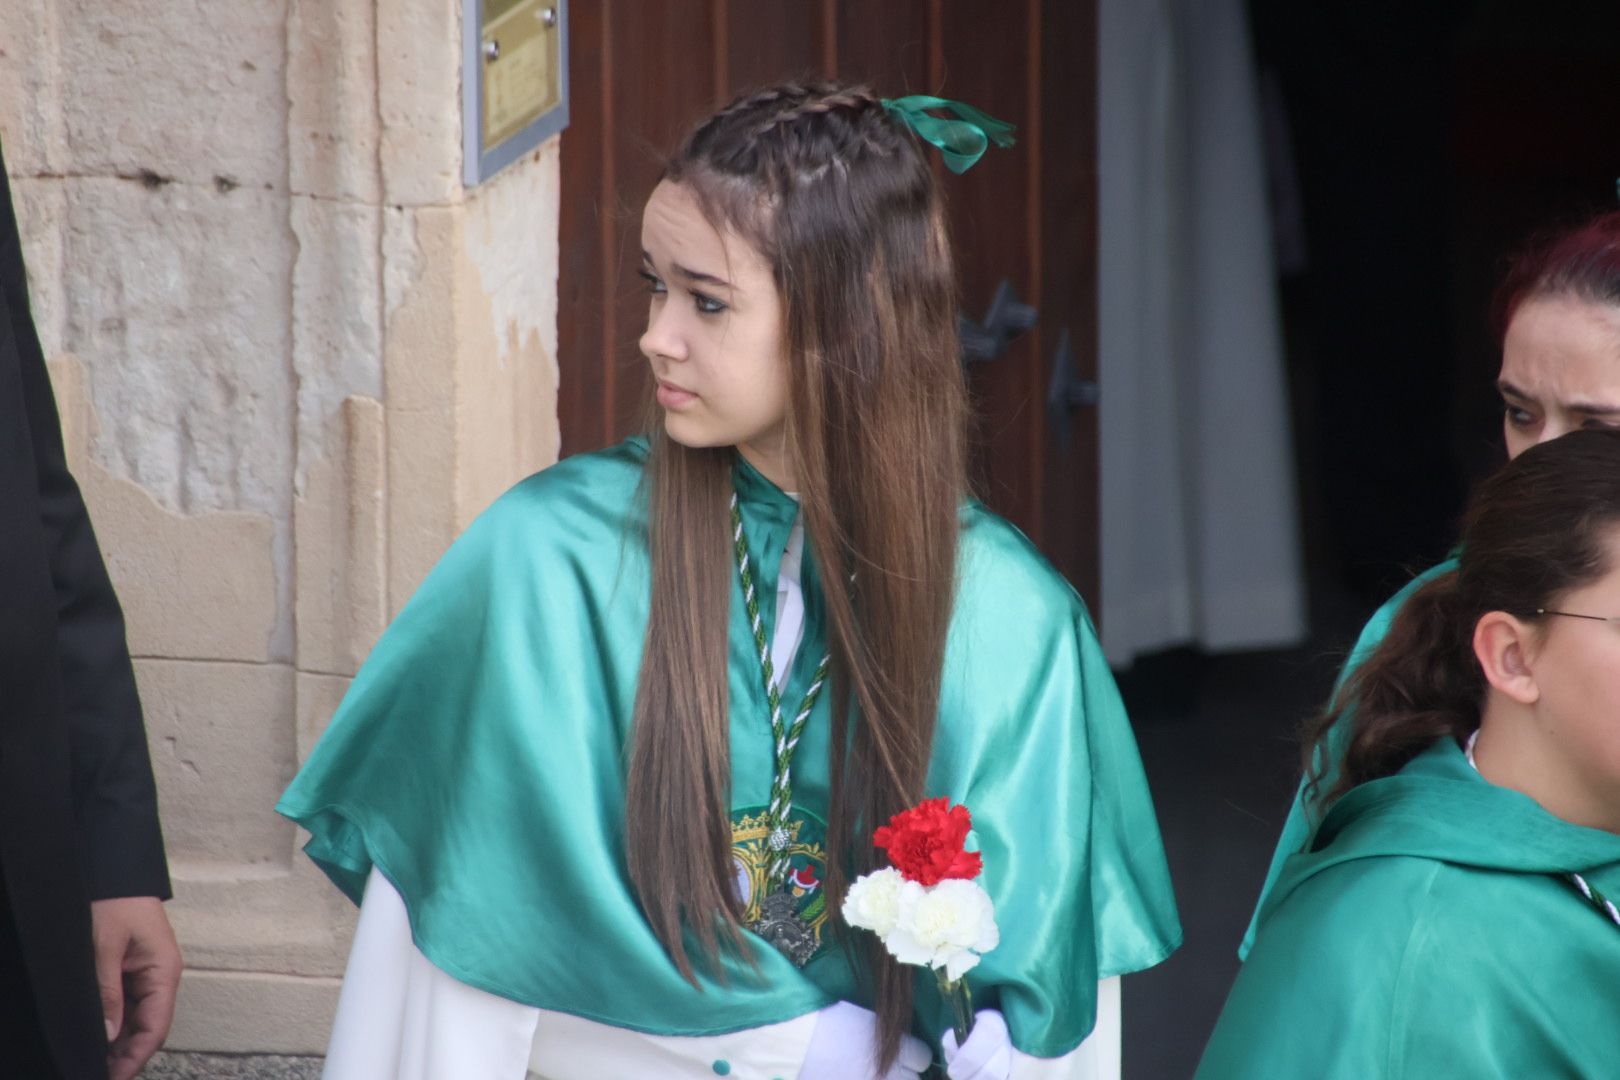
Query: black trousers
x=23, y=1053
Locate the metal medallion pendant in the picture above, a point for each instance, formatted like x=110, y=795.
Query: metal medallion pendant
x=779, y=924
x=790, y=912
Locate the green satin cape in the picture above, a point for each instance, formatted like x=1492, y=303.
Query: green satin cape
x=1426, y=935
x=478, y=761
x=1296, y=831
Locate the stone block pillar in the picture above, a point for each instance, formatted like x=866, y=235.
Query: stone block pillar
x=294, y=358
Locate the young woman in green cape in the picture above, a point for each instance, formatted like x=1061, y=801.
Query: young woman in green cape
x=1557, y=317
x=1453, y=915
x=589, y=777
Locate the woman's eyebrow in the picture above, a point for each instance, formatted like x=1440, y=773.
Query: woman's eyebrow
x=1590, y=408
x=692, y=275
x=1507, y=389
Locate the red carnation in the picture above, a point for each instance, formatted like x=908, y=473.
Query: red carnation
x=925, y=843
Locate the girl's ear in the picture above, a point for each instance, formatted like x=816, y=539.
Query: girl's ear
x=1506, y=649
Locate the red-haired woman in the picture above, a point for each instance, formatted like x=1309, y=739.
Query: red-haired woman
x=592, y=754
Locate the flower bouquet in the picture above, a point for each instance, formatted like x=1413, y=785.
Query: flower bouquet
x=926, y=907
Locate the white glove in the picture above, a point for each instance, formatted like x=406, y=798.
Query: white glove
x=987, y=1054
x=844, y=1042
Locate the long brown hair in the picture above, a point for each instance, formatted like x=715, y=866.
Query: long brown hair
x=840, y=200
x=1535, y=530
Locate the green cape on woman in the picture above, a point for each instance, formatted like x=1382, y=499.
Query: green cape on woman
x=479, y=758
x=1296, y=832
x=1429, y=932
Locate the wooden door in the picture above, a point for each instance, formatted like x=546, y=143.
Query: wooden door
x=642, y=72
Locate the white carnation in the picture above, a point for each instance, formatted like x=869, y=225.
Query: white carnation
x=873, y=901
x=945, y=926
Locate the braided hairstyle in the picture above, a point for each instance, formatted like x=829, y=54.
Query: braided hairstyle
x=789, y=134
x=840, y=200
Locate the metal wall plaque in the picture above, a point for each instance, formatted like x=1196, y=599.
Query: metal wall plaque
x=514, y=81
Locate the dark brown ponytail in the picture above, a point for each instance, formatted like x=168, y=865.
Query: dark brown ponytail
x=1420, y=684
x=1540, y=527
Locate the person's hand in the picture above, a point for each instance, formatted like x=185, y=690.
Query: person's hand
x=844, y=1041
x=987, y=1054
x=138, y=969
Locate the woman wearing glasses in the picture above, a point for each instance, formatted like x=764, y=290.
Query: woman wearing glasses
x=1557, y=316
x=1453, y=915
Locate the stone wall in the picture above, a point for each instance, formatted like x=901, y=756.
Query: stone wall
x=294, y=358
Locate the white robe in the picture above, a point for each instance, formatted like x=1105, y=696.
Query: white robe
x=1199, y=527
x=401, y=1018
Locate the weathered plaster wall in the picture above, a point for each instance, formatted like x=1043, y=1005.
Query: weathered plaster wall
x=294, y=358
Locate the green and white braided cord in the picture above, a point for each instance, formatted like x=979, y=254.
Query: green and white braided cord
x=1599, y=901
x=785, y=737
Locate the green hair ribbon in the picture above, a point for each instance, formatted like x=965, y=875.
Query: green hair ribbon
x=962, y=141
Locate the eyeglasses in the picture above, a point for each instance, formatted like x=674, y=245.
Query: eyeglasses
x=1576, y=615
